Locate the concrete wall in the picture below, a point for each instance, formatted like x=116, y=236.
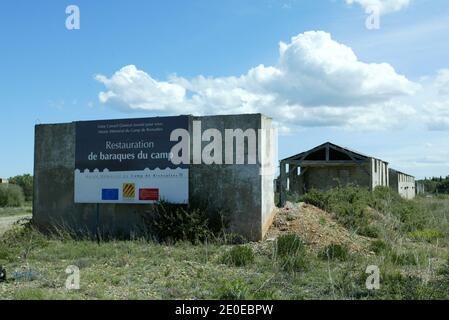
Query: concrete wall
x=240, y=190
x=403, y=184
x=267, y=172
x=379, y=173
x=371, y=174
x=325, y=178
x=420, y=188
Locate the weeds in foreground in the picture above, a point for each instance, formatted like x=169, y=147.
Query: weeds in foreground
x=145, y=269
x=239, y=256
x=335, y=252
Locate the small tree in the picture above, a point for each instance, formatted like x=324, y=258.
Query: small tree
x=26, y=183
x=11, y=196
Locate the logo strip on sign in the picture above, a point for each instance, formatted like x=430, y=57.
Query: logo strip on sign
x=129, y=190
x=149, y=194
x=109, y=194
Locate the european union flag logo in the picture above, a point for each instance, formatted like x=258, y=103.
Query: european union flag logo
x=109, y=194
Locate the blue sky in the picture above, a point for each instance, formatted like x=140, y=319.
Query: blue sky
x=50, y=74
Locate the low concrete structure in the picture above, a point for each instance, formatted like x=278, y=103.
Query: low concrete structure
x=4, y=181
x=420, y=188
x=403, y=183
x=245, y=191
x=327, y=166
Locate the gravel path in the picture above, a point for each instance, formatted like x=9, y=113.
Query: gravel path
x=7, y=222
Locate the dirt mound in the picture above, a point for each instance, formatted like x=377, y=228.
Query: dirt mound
x=315, y=226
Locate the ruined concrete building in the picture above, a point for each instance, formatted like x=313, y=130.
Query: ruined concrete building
x=403, y=183
x=328, y=166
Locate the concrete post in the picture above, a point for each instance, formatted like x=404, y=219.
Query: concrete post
x=283, y=177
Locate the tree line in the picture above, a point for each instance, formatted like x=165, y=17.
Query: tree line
x=436, y=185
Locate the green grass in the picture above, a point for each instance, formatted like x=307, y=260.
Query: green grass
x=411, y=265
x=239, y=256
x=335, y=252
x=9, y=212
x=289, y=245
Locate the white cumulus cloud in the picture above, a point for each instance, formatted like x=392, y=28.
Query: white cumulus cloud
x=316, y=82
x=442, y=81
x=135, y=89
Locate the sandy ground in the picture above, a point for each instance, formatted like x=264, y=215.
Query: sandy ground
x=7, y=222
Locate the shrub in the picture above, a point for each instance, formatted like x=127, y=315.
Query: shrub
x=11, y=196
x=380, y=246
x=426, y=235
x=350, y=205
x=297, y=263
x=335, y=252
x=403, y=258
x=233, y=290
x=397, y=286
x=409, y=213
x=26, y=183
x=168, y=222
x=317, y=199
x=195, y=223
x=289, y=245
x=239, y=256
x=291, y=253
x=370, y=231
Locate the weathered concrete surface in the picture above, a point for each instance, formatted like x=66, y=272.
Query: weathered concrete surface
x=53, y=201
x=379, y=173
x=326, y=178
x=402, y=183
x=240, y=190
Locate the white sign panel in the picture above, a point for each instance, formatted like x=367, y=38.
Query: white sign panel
x=129, y=161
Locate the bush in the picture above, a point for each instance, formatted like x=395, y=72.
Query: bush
x=289, y=245
x=404, y=258
x=11, y=196
x=411, y=216
x=335, y=252
x=239, y=256
x=350, y=206
x=291, y=253
x=400, y=287
x=233, y=290
x=297, y=263
x=194, y=223
x=26, y=183
x=171, y=223
x=380, y=246
x=317, y=199
x=370, y=231
x=426, y=235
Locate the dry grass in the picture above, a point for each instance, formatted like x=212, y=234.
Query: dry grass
x=412, y=267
